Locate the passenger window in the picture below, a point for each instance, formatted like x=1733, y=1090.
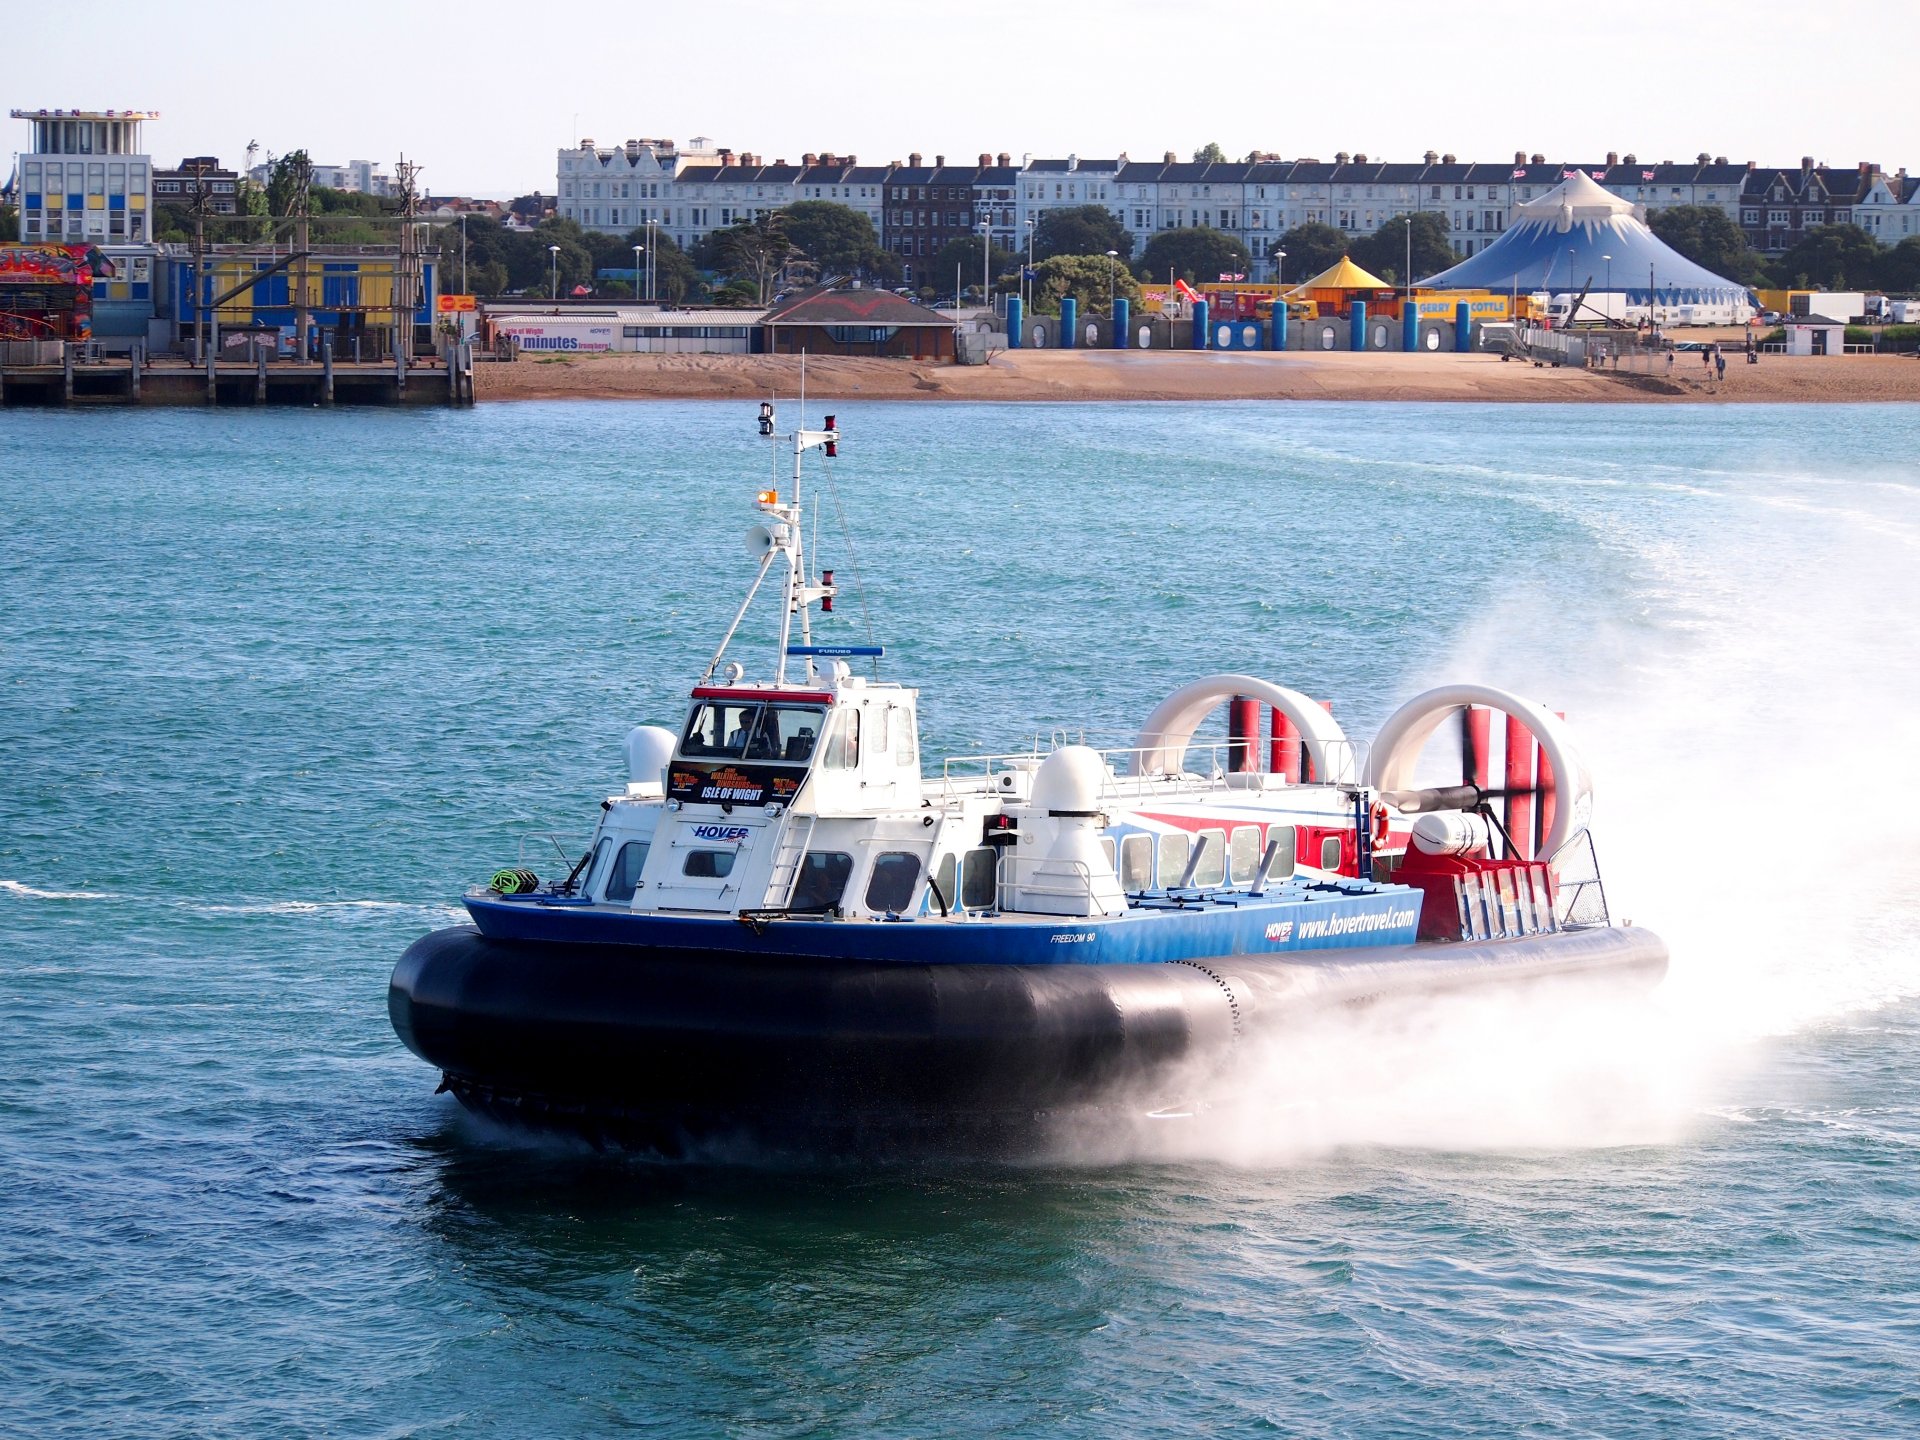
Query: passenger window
x=890, y=887
x=626, y=871
x=979, y=882
x=1136, y=863
x=943, y=878
x=708, y=864
x=1330, y=853
x=1244, y=853
x=1174, y=849
x=1212, y=869
x=1108, y=849
x=822, y=880
x=882, y=735
x=1285, y=854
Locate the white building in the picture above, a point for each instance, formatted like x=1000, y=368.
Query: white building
x=619, y=189
x=87, y=177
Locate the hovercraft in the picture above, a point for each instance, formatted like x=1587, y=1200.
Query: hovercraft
x=783, y=926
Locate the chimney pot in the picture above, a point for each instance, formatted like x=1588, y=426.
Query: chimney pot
x=1170, y=158
x=1004, y=159
x=985, y=159
x=913, y=159
x=1536, y=158
x=1519, y=157
x=1628, y=157
x=1806, y=162
x=809, y=159
x=1719, y=159
x=1448, y=158
x=1613, y=157
x=939, y=162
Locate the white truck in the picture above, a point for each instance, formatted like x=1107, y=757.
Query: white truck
x=1834, y=304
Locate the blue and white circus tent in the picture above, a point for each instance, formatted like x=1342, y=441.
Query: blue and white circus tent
x=1561, y=242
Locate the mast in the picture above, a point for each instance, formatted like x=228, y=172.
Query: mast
x=785, y=539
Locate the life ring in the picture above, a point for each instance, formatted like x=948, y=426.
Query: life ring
x=1381, y=825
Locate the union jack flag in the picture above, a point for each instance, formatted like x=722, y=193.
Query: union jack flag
x=1233, y=275
x=1520, y=174
x=1599, y=174
x=1568, y=174
x=1646, y=174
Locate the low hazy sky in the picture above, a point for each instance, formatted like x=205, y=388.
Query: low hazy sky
x=483, y=93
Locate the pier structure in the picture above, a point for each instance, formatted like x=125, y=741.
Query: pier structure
x=56, y=373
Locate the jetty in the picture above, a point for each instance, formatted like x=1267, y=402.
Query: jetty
x=62, y=373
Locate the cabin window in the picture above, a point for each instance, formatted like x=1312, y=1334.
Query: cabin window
x=1330, y=853
x=1109, y=848
x=1244, y=853
x=891, y=885
x=943, y=879
x=708, y=864
x=1136, y=863
x=1173, y=858
x=906, y=750
x=1285, y=852
x=843, y=745
x=979, y=879
x=594, y=866
x=880, y=738
x=625, y=874
x=747, y=730
x=1212, y=869
x=822, y=880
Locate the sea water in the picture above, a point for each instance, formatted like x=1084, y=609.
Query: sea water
x=275, y=686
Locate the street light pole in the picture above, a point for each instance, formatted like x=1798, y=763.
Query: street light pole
x=986, y=255
x=1280, y=268
x=463, y=252
x=1609, y=260
x=554, y=252
x=1112, y=255
x=638, y=251
x=1026, y=279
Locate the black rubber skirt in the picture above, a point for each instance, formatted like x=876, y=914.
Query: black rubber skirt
x=650, y=1048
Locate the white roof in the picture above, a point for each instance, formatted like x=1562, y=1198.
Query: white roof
x=1575, y=199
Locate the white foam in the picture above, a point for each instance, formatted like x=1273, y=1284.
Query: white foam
x=29, y=892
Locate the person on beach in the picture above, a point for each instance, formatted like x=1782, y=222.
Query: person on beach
x=1669, y=364
x=1719, y=364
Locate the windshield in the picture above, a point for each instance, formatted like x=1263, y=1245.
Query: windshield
x=750, y=730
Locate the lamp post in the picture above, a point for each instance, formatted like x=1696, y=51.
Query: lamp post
x=638, y=251
x=1409, y=278
x=1112, y=255
x=1609, y=260
x=554, y=252
x=1280, y=268
x=986, y=261
x=653, y=254
x=1025, y=278
x=463, y=252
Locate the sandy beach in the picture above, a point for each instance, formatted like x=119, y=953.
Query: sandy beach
x=1059, y=375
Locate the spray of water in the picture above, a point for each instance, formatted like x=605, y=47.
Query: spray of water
x=1748, y=696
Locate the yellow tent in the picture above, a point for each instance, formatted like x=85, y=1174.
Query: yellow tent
x=1344, y=276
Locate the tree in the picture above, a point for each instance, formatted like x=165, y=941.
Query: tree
x=1900, y=266
x=674, y=275
x=1209, y=154
x=1385, y=251
x=964, y=254
x=1080, y=230
x=287, y=176
x=737, y=295
x=1196, y=253
x=1706, y=236
x=1310, y=249
x=1830, y=257
x=1086, y=278
x=837, y=238
x=9, y=223
x=755, y=250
